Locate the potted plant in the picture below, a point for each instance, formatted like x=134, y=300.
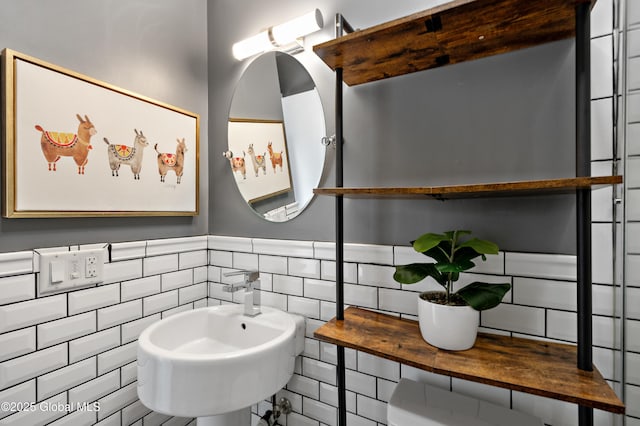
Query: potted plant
x=448, y=319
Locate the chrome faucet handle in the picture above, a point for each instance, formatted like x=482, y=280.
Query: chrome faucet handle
x=249, y=276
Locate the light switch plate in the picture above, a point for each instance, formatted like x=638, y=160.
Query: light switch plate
x=65, y=270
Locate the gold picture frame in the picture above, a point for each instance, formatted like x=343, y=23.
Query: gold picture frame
x=74, y=146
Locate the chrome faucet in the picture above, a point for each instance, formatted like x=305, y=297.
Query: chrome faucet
x=250, y=278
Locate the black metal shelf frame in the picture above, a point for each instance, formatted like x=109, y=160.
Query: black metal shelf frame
x=583, y=208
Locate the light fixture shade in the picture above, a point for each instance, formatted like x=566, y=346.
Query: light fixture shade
x=279, y=35
x=252, y=45
x=288, y=32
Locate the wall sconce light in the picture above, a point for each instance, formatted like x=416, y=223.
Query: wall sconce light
x=279, y=36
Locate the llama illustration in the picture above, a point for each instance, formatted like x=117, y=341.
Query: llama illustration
x=257, y=160
x=131, y=155
x=57, y=144
x=169, y=161
x=276, y=157
x=237, y=163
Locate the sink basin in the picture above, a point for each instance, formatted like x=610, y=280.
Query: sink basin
x=216, y=360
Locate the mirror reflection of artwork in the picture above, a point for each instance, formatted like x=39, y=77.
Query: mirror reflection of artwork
x=276, y=108
x=264, y=155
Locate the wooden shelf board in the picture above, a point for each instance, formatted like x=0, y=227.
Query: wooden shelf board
x=470, y=29
x=536, y=367
x=532, y=187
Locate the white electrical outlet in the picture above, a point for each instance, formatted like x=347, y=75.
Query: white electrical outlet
x=64, y=270
x=91, y=266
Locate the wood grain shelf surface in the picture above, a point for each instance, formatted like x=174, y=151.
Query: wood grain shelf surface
x=536, y=367
x=458, y=31
x=532, y=187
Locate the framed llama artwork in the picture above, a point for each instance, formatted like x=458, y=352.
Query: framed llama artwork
x=261, y=147
x=77, y=147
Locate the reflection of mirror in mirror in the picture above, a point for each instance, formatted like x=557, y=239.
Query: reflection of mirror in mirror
x=276, y=125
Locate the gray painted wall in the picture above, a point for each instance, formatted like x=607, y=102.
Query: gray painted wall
x=509, y=117
x=155, y=48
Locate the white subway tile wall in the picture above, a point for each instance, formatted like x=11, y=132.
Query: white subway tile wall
x=66, y=329
x=57, y=381
x=93, y=344
x=38, y=416
x=176, y=245
x=20, y=369
x=17, y=263
x=541, y=305
x=301, y=249
x=25, y=392
x=19, y=315
x=245, y=261
x=81, y=346
x=128, y=250
x=159, y=264
x=17, y=343
x=93, y=298
x=122, y=271
x=632, y=209
x=17, y=289
x=192, y=259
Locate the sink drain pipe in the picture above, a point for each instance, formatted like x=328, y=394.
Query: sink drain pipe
x=265, y=420
x=270, y=418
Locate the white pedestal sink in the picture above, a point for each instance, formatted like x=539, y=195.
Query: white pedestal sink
x=217, y=362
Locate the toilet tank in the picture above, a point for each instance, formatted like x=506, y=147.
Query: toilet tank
x=414, y=403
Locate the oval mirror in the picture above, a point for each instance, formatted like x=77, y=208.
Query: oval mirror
x=276, y=124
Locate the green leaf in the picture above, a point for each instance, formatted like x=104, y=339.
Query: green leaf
x=438, y=253
x=465, y=253
x=450, y=257
x=458, y=266
x=414, y=272
x=482, y=296
x=481, y=246
x=428, y=241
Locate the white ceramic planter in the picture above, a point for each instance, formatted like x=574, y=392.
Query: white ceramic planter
x=448, y=327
